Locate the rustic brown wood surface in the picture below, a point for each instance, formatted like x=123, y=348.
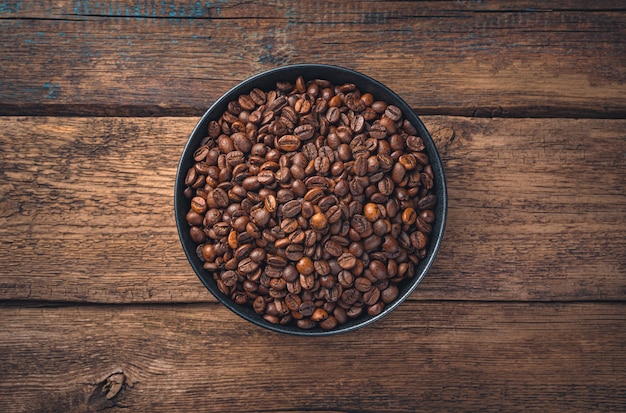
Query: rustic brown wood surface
x=468, y=58
x=537, y=210
x=523, y=310
x=430, y=356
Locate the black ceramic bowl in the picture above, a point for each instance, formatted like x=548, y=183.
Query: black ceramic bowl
x=267, y=81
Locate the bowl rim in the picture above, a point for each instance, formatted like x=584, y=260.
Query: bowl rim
x=286, y=72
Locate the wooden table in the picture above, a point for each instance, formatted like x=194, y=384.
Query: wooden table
x=524, y=309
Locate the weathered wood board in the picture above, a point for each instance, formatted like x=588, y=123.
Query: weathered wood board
x=537, y=210
x=425, y=356
x=457, y=58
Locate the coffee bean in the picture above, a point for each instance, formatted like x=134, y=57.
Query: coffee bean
x=428, y=216
x=306, y=323
x=409, y=216
x=319, y=222
x=393, y=112
x=358, y=185
x=346, y=261
x=329, y=323
x=427, y=202
x=333, y=114
x=408, y=161
x=292, y=208
x=362, y=284
x=314, y=195
x=305, y=266
x=389, y=294
x=247, y=266
x=333, y=248
x=306, y=308
x=288, y=143
x=319, y=315
x=317, y=182
x=294, y=252
x=423, y=226
x=376, y=309
x=378, y=131
x=361, y=225
x=360, y=166
x=378, y=269
x=372, y=212
x=397, y=173
x=371, y=296
x=350, y=296
x=311, y=202
x=427, y=181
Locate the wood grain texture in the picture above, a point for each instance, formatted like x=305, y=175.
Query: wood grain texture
x=139, y=58
x=537, y=210
x=437, y=357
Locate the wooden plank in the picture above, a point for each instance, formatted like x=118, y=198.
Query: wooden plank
x=437, y=357
x=537, y=210
x=462, y=58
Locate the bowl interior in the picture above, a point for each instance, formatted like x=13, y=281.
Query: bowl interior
x=266, y=81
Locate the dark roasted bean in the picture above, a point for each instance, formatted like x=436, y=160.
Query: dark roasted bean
x=310, y=202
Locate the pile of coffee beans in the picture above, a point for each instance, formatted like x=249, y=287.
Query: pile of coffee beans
x=311, y=202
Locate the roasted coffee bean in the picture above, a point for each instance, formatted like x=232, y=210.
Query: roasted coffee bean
x=346, y=261
x=409, y=216
x=371, y=296
x=265, y=178
x=288, y=143
x=398, y=173
x=292, y=208
x=358, y=185
x=372, y=212
x=408, y=161
x=421, y=158
x=314, y=195
x=427, y=181
x=198, y=204
x=305, y=266
x=423, y=226
x=306, y=323
x=428, y=216
x=389, y=294
x=241, y=142
x=350, y=296
x=260, y=216
x=333, y=248
x=319, y=222
x=362, y=284
x=334, y=215
x=307, y=281
x=234, y=158
x=293, y=301
x=393, y=112
x=294, y=252
x=319, y=315
x=376, y=309
x=304, y=132
x=427, y=202
x=284, y=195
x=378, y=131
x=247, y=266
x=361, y=225
x=311, y=202
x=345, y=278
x=329, y=323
